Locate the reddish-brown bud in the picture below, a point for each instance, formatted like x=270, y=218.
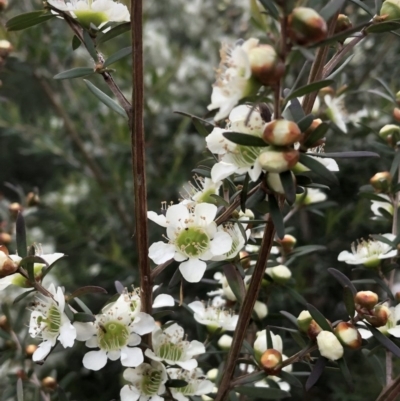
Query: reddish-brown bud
x=348, y=335
x=379, y=317
x=278, y=160
x=287, y=243
x=281, y=133
x=32, y=199
x=4, y=323
x=306, y=26
x=343, y=23
x=366, y=299
x=381, y=181
x=5, y=238
x=49, y=383
x=7, y=265
x=313, y=330
x=5, y=48
x=271, y=361
x=30, y=349
x=14, y=208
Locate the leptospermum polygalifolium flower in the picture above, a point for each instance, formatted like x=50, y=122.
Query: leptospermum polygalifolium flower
x=197, y=384
x=200, y=191
x=49, y=322
x=392, y=326
x=169, y=346
x=234, y=77
x=214, y=317
x=236, y=158
x=193, y=238
x=368, y=253
x=146, y=382
x=116, y=332
x=96, y=12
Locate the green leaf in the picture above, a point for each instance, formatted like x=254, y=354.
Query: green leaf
x=387, y=87
x=27, y=20
x=383, y=27
x=89, y=44
x=317, y=134
x=203, y=172
x=376, y=365
x=289, y=316
x=348, y=299
x=89, y=289
x=75, y=73
x=316, y=373
x=343, y=280
x=114, y=32
x=243, y=193
x=363, y=6
x=22, y=248
x=200, y=127
x=346, y=155
x=289, y=378
x=266, y=393
x=235, y=281
x=295, y=295
x=296, y=110
x=395, y=164
x=118, y=56
x=385, y=287
x=176, y=383
x=331, y=8
x=341, y=68
x=383, y=239
x=373, y=197
x=305, y=122
x=318, y=168
x=385, y=341
x=75, y=42
x=315, y=86
x=319, y=317
x=345, y=373
x=276, y=216
x=105, y=99
x=84, y=317
x=271, y=8
x=245, y=139
x=289, y=186
x=82, y=305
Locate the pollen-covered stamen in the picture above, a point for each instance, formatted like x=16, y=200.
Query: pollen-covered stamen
x=170, y=351
x=151, y=382
x=112, y=336
x=51, y=323
x=192, y=241
x=245, y=156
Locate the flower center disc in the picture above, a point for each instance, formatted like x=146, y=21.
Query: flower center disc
x=151, y=382
x=52, y=320
x=193, y=242
x=245, y=155
x=170, y=351
x=87, y=17
x=113, y=336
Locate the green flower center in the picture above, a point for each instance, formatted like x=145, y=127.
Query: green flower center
x=151, y=382
x=193, y=242
x=52, y=320
x=245, y=156
x=87, y=17
x=172, y=352
x=112, y=336
x=187, y=390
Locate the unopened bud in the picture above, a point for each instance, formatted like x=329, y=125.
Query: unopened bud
x=304, y=320
x=30, y=349
x=225, y=342
x=390, y=9
x=271, y=361
x=244, y=259
x=212, y=374
x=7, y=265
x=5, y=238
x=5, y=48
x=348, y=335
x=306, y=26
x=4, y=323
x=260, y=309
x=14, y=209
x=389, y=130
x=280, y=274
x=32, y=199
x=313, y=330
x=287, y=243
x=278, y=161
x=343, y=23
x=281, y=133
x=381, y=181
x=329, y=346
x=3, y=5
x=49, y=383
x=274, y=182
x=396, y=114
x=366, y=299
x=379, y=317
x=265, y=64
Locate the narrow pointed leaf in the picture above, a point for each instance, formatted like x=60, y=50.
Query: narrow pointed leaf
x=88, y=41
x=245, y=139
x=319, y=317
x=291, y=379
x=118, y=56
x=22, y=248
x=385, y=287
x=271, y=8
x=201, y=129
x=382, y=27
x=318, y=168
x=341, y=68
x=28, y=20
x=89, y=289
x=276, y=216
x=317, y=134
x=343, y=280
x=305, y=122
x=243, y=194
x=376, y=365
x=83, y=306
x=363, y=6
x=295, y=295
x=290, y=317
x=348, y=299
x=315, y=86
x=268, y=338
x=235, y=281
x=106, y=99
x=20, y=390
x=316, y=372
x=74, y=73
x=331, y=8
x=289, y=186
x=346, y=155
x=296, y=110
x=266, y=393
x=75, y=42
x=395, y=164
x=203, y=172
x=114, y=32
x=385, y=341
x=83, y=317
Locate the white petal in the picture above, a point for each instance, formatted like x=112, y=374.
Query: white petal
x=42, y=351
x=95, y=360
x=150, y=354
x=193, y=270
x=365, y=334
x=129, y=393
x=134, y=339
x=113, y=355
x=143, y=323
x=160, y=252
x=6, y=281
x=157, y=218
x=255, y=172
x=84, y=331
x=188, y=365
x=205, y=387
x=176, y=214
x=197, y=307
x=156, y=398
x=92, y=342
x=221, y=171
x=395, y=331
x=67, y=334
x=131, y=357
x=163, y=300
x=51, y=257
x=221, y=243
x=205, y=213
x=195, y=348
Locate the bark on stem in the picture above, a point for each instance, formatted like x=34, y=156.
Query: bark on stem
x=138, y=158
x=246, y=311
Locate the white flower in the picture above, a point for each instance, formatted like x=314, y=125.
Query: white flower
x=385, y=204
x=329, y=346
x=234, y=78
x=200, y=191
x=329, y=163
x=213, y=317
x=260, y=345
x=196, y=383
x=169, y=346
x=391, y=327
x=96, y=12
x=312, y=195
x=49, y=322
x=261, y=309
x=20, y=281
x=146, y=382
x=236, y=158
x=368, y=253
x=238, y=240
x=116, y=332
x=225, y=342
x=193, y=238
x=280, y=274
x=336, y=111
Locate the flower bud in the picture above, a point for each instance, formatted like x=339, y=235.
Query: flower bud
x=274, y=182
x=271, y=361
x=265, y=64
x=278, y=161
x=32, y=199
x=348, y=335
x=5, y=238
x=212, y=374
x=5, y=48
x=49, y=383
x=225, y=342
x=281, y=133
x=390, y=9
x=379, y=317
x=4, y=323
x=329, y=346
x=287, y=243
x=343, y=23
x=3, y=5
x=280, y=274
x=366, y=299
x=304, y=320
x=260, y=309
x=14, y=209
x=396, y=114
x=313, y=330
x=389, y=130
x=7, y=265
x=306, y=26
x=381, y=181
x=30, y=349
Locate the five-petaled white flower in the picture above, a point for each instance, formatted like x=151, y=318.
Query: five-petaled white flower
x=96, y=12
x=49, y=322
x=368, y=253
x=197, y=384
x=169, y=346
x=200, y=191
x=336, y=111
x=213, y=317
x=237, y=158
x=116, y=331
x=193, y=238
x=234, y=79
x=146, y=382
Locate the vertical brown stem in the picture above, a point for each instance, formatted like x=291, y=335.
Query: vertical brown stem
x=138, y=157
